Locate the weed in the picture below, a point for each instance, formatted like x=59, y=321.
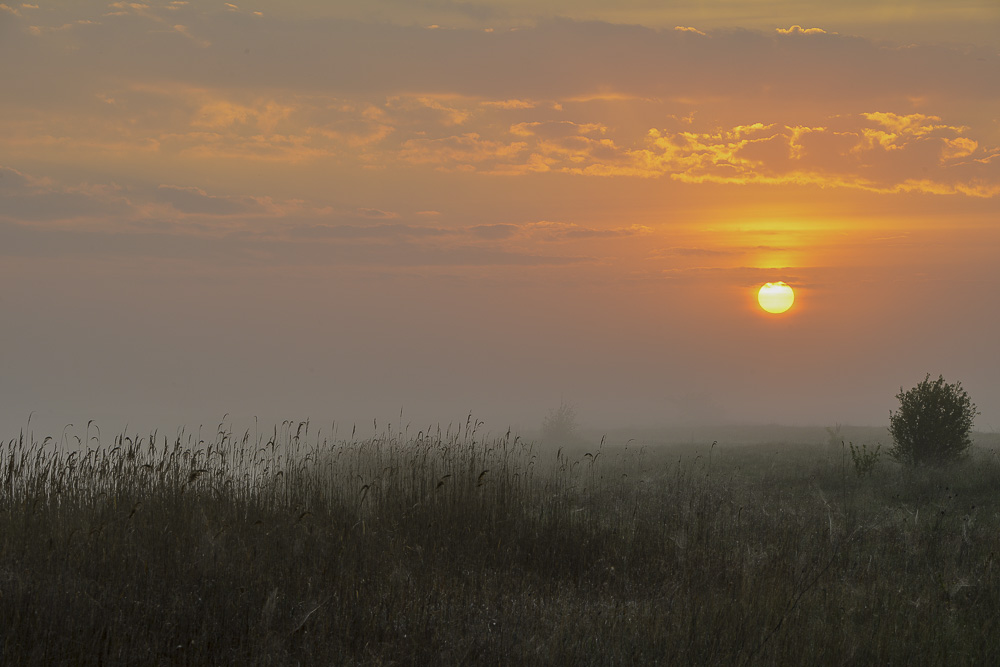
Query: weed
x=864, y=459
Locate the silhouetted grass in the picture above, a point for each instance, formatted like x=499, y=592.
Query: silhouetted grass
x=454, y=548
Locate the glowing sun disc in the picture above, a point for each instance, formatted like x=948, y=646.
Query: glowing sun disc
x=775, y=297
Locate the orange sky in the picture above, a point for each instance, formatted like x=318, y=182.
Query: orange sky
x=337, y=210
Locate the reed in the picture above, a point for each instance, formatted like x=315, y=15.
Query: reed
x=452, y=546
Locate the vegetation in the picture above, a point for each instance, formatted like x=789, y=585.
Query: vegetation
x=865, y=459
x=560, y=427
x=933, y=424
x=454, y=548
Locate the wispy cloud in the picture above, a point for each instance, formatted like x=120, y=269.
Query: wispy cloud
x=43, y=217
x=191, y=200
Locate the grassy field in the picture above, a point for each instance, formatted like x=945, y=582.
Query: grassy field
x=455, y=547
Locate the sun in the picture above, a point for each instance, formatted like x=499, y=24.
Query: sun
x=775, y=297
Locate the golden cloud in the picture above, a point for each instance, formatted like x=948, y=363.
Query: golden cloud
x=799, y=30
x=958, y=148
x=876, y=151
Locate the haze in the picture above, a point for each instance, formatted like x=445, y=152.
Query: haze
x=341, y=211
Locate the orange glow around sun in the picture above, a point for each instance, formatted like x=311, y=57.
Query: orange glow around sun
x=775, y=297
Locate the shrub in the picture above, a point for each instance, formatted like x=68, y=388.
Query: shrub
x=865, y=459
x=933, y=423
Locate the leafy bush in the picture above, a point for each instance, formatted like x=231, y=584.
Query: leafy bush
x=933, y=423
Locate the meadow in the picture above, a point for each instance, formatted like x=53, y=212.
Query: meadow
x=455, y=546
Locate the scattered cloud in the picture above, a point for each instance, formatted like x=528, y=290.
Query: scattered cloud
x=635, y=103
x=799, y=30
x=875, y=151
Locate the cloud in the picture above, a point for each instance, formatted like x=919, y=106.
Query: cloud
x=183, y=30
x=133, y=8
x=509, y=104
x=264, y=116
x=693, y=252
x=390, y=250
x=557, y=130
x=556, y=59
x=695, y=31
x=739, y=275
x=696, y=252
x=553, y=231
x=913, y=125
x=875, y=151
x=562, y=97
x=376, y=214
x=13, y=181
x=958, y=147
x=433, y=108
x=459, y=152
x=799, y=30
x=190, y=200
x=494, y=232
x=24, y=197
x=578, y=232
x=42, y=217
x=852, y=155
x=379, y=231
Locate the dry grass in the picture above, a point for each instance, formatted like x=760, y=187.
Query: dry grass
x=455, y=548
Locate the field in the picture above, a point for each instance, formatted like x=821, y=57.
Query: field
x=458, y=547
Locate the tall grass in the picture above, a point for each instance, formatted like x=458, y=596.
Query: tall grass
x=455, y=547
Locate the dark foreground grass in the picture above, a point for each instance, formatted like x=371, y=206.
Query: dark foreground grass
x=452, y=548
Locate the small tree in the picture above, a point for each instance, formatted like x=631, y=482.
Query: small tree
x=559, y=426
x=933, y=423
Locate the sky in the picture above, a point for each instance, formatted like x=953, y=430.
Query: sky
x=407, y=211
